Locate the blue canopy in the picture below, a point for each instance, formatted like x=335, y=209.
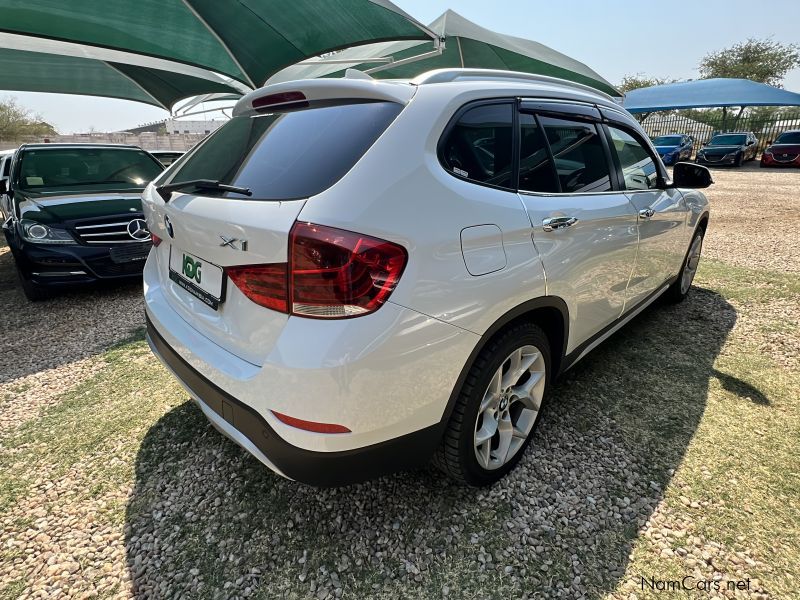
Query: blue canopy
x=707, y=93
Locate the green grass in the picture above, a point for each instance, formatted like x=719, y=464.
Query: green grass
x=695, y=400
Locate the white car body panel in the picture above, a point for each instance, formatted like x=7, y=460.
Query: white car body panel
x=475, y=254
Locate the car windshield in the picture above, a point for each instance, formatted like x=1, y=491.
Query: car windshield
x=55, y=169
x=790, y=137
x=667, y=140
x=727, y=140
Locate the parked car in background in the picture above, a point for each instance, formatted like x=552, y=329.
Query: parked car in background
x=351, y=277
x=784, y=151
x=166, y=157
x=72, y=214
x=729, y=149
x=674, y=147
x=5, y=163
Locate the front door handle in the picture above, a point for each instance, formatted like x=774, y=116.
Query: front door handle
x=646, y=213
x=554, y=223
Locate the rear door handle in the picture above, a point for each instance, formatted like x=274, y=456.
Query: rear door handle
x=646, y=213
x=554, y=223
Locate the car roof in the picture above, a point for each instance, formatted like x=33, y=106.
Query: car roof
x=360, y=85
x=734, y=133
x=76, y=145
x=790, y=131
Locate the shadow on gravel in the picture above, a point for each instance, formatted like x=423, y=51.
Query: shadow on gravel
x=70, y=326
x=207, y=520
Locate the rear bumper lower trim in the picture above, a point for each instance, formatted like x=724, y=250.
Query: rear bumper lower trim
x=314, y=468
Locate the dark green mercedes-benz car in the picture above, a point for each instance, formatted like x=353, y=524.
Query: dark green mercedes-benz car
x=72, y=213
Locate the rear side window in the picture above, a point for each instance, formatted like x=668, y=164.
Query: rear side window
x=536, y=172
x=285, y=155
x=579, y=155
x=479, y=146
x=638, y=168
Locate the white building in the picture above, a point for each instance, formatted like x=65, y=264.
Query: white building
x=178, y=126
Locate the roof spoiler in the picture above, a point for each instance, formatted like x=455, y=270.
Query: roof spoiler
x=295, y=94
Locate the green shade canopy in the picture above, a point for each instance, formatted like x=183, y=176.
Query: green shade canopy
x=466, y=45
x=247, y=40
x=26, y=71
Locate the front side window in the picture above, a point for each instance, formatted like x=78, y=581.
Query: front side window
x=90, y=168
x=579, y=155
x=536, y=171
x=638, y=168
x=479, y=146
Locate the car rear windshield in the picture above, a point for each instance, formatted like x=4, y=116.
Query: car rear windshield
x=286, y=155
x=667, y=140
x=53, y=169
x=728, y=140
x=790, y=137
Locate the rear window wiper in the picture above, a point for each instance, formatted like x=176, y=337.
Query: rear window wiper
x=165, y=191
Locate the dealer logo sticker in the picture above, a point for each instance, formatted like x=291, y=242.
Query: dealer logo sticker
x=191, y=268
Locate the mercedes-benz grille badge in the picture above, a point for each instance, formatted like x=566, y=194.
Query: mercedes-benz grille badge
x=231, y=243
x=137, y=229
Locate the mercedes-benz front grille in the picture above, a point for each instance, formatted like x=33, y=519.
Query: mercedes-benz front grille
x=117, y=229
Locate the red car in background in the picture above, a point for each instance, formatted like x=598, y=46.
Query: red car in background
x=784, y=151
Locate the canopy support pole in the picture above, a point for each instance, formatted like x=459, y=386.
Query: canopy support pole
x=221, y=43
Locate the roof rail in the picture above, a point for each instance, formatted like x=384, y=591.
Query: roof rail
x=450, y=75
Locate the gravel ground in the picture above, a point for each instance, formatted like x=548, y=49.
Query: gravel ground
x=122, y=489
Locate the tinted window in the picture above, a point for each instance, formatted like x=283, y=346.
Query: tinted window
x=6, y=166
x=479, y=146
x=638, y=168
x=536, y=172
x=579, y=155
x=668, y=140
x=93, y=168
x=790, y=137
x=728, y=140
x=286, y=155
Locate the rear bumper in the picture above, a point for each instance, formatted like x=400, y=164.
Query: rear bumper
x=246, y=426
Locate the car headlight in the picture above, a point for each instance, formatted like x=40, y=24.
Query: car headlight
x=731, y=155
x=39, y=233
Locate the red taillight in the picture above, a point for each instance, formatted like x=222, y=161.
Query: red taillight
x=156, y=239
x=332, y=274
x=263, y=284
x=281, y=100
x=311, y=425
x=335, y=273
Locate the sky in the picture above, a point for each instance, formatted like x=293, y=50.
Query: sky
x=613, y=37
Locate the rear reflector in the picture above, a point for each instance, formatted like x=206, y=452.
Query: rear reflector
x=311, y=425
x=331, y=274
x=281, y=100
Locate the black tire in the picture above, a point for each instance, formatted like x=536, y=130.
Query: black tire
x=676, y=293
x=739, y=159
x=456, y=453
x=32, y=292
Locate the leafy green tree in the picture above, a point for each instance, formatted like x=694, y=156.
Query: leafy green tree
x=639, y=80
x=17, y=121
x=765, y=61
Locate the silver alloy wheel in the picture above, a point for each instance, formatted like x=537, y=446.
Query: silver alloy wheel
x=692, y=260
x=509, y=407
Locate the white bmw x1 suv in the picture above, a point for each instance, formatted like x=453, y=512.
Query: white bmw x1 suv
x=353, y=277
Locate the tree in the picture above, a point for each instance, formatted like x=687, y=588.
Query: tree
x=17, y=121
x=765, y=61
x=634, y=82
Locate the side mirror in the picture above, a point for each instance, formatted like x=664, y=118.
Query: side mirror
x=690, y=175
